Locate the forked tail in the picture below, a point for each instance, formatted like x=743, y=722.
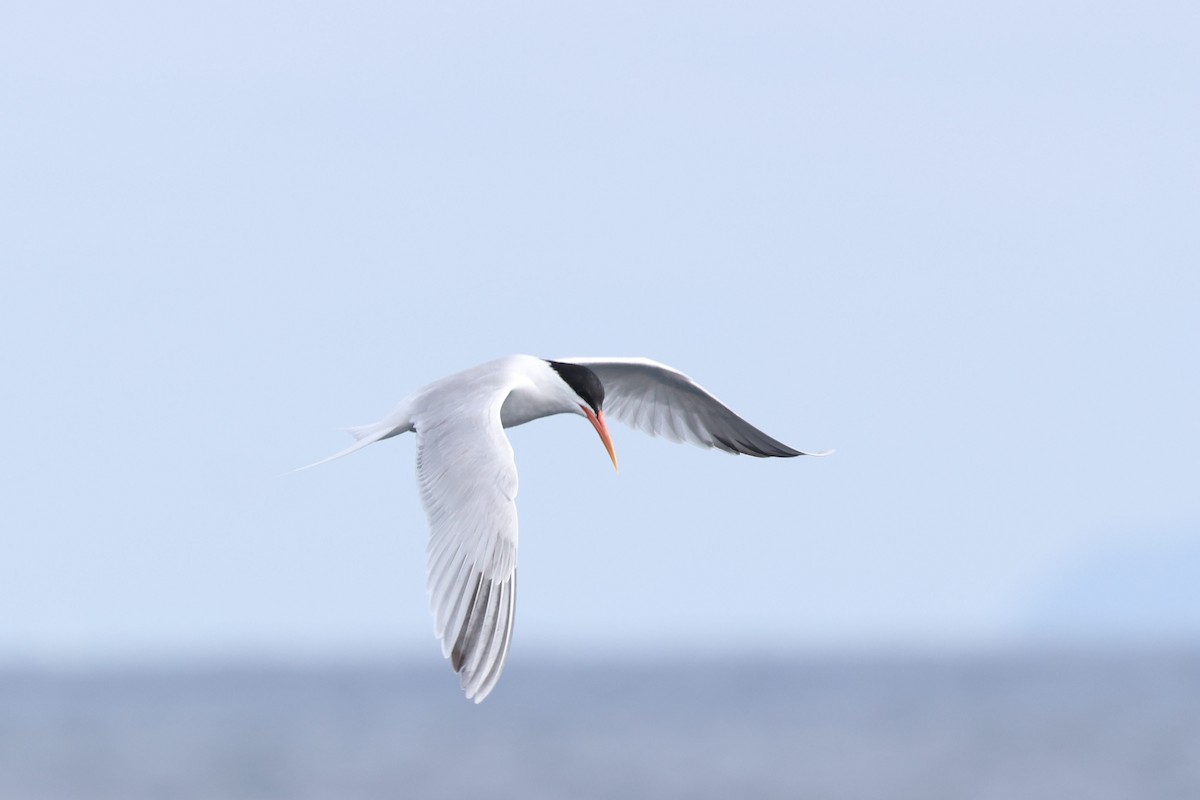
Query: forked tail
x=393, y=425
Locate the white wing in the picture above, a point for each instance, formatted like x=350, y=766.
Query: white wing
x=468, y=483
x=662, y=401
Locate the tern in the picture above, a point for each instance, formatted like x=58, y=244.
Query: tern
x=468, y=479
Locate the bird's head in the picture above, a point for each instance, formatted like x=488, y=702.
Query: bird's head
x=588, y=398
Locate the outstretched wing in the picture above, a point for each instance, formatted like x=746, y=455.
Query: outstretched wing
x=662, y=401
x=468, y=483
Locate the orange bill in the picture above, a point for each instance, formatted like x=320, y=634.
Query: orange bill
x=602, y=429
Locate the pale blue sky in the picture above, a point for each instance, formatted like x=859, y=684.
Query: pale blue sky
x=956, y=242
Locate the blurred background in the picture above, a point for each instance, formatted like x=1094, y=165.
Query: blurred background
x=957, y=243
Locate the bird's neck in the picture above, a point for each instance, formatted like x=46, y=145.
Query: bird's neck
x=537, y=391
x=525, y=404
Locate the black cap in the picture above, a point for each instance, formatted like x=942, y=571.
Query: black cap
x=583, y=381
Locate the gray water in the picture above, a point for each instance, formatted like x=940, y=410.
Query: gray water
x=1020, y=727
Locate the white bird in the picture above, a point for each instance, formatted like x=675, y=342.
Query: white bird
x=468, y=479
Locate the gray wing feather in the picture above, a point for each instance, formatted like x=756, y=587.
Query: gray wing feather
x=662, y=401
x=468, y=484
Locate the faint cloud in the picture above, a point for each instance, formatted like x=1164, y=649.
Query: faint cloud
x=1140, y=589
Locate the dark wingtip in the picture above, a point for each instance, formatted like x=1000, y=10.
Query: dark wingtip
x=766, y=447
x=788, y=453
x=458, y=652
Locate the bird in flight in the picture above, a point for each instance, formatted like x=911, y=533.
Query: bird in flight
x=468, y=479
